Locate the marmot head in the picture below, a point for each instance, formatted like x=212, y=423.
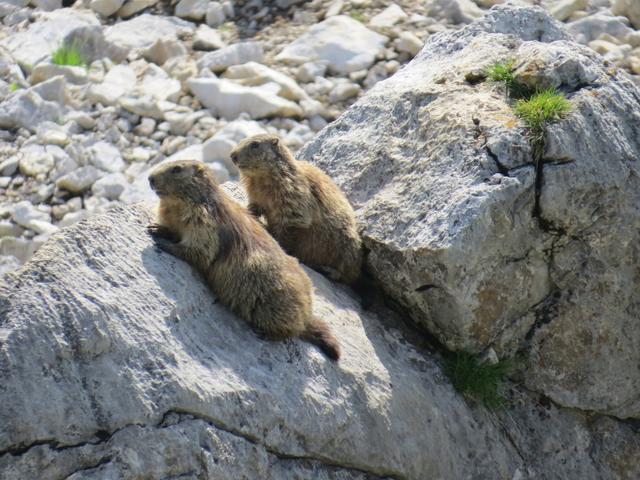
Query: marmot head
x=188, y=179
x=261, y=153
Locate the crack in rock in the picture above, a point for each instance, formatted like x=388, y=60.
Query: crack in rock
x=101, y=435
x=188, y=415
x=501, y=168
x=95, y=466
x=185, y=415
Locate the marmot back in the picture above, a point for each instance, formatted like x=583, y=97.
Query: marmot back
x=303, y=208
x=241, y=263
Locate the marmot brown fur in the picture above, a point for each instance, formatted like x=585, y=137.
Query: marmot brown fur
x=241, y=263
x=304, y=210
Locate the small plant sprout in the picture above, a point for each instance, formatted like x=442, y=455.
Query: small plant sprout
x=14, y=87
x=69, y=54
x=480, y=381
x=357, y=15
x=544, y=107
x=227, y=28
x=503, y=72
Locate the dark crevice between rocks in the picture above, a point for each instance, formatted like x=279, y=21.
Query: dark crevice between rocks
x=570, y=89
x=22, y=448
x=632, y=423
x=189, y=474
x=95, y=466
x=420, y=339
x=589, y=417
x=378, y=300
x=538, y=144
x=520, y=167
x=544, y=311
x=521, y=258
x=326, y=462
x=424, y=288
x=479, y=133
x=501, y=168
x=183, y=415
x=543, y=223
x=554, y=162
x=100, y=437
x=475, y=77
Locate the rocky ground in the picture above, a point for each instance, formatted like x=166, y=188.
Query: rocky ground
x=190, y=79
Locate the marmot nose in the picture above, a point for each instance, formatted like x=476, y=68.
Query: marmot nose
x=152, y=181
x=234, y=157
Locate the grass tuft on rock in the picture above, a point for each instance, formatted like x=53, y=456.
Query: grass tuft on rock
x=480, y=381
x=69, y=55
x=544, y=107
x=14, y=87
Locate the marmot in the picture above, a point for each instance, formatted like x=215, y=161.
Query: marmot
x=241, y=263
x=304, y=210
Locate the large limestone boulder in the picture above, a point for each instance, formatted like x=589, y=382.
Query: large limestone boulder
x=117, y=362
x=482, y=248
x=117, y=357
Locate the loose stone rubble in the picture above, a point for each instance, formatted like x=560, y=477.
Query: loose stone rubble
x=161, y=79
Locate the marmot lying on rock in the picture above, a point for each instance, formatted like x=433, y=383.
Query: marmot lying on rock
x=241, y=263
x=304, y=210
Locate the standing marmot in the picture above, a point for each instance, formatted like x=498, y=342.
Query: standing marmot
x=304, y=210
x=242, y=264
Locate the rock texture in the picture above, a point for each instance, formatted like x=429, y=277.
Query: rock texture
x=120, y=382
x=484, y=249
x=168, y=384
x=41, y=38
x=326, y=41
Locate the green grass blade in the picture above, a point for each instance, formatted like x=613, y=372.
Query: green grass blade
x=480, y=381
x=70, y=55
x=544, y=107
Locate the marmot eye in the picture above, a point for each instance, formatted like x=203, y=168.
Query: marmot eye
x=176, y=169
x=254, y=145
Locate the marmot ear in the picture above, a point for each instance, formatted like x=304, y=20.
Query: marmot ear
x=199, y=168
x=274, y=141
